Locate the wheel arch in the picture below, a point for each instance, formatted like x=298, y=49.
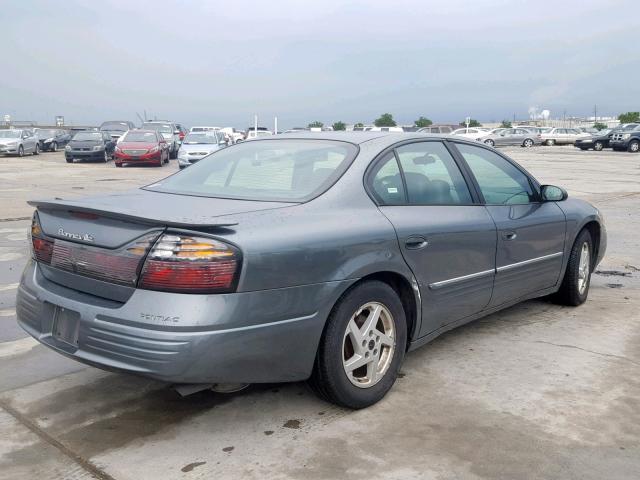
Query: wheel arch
x=404, y=288
x=595, y=230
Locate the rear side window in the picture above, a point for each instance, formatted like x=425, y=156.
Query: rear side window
x=500, y=182
x=387, y=183
x=432, y=176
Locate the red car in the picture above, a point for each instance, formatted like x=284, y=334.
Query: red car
x=142, y=146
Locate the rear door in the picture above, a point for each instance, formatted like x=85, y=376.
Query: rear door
x=446, y=237
x=531, y=233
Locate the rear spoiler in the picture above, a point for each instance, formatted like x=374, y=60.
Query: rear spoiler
x=178, y=222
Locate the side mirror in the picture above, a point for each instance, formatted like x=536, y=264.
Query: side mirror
x=551, y=193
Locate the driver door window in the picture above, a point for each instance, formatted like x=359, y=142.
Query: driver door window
x=500, y=182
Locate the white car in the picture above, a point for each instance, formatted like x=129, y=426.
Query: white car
x=258, y=133
x=197, y=145
x=471, y=133
x=233, y=135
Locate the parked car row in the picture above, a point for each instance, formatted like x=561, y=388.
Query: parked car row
x=623, y=138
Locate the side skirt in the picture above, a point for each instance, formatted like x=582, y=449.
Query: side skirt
x=419, y=342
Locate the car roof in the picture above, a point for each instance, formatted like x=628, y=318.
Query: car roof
x=361, y=137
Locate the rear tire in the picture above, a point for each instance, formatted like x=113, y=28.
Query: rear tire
x=69, y=160
x=490, y=142
x=634, y=146
x=368, y=326
x=577, y=278
x=550, y=143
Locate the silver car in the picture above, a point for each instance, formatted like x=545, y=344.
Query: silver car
x=197, y=145
x=563, y=136
x=320, y=256
x=19, y=142
x=512, y=136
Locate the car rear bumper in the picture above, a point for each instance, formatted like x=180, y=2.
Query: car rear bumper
x=250, y=337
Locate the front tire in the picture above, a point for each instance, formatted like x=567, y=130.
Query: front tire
x=577, y=278
x=550, y=143
x=362, y=347
x=490, y=142
x=54, y=147
x=634, y=146
x=598, y=146
x=37, y=149
x=20, y=151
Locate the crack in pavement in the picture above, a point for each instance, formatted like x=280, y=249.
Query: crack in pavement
x=619, y=357
x=44, y=436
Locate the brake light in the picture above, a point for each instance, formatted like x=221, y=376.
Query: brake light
x=41, y=248
x=190, y=264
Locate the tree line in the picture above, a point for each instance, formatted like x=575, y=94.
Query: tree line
x=387, y=120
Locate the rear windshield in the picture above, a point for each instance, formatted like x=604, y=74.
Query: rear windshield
x=269, y=170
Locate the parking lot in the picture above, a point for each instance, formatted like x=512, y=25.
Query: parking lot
x=535, y=391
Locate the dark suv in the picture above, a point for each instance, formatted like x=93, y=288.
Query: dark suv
x=627, y=139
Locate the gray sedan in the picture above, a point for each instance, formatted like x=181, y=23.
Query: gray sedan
x=320, y=256
x=513, y=136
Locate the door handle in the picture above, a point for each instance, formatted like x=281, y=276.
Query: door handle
x=509, y=235
x=415, y=243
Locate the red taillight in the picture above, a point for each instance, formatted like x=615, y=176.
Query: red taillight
x=188, y=264
x=41, y=248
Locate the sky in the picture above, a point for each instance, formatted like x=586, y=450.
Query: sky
x=219, y=63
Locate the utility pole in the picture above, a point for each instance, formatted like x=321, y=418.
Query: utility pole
x=275, y=125
x=595, y=114
x=255, y=124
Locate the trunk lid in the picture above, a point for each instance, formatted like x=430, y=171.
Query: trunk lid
x=99, y=243
x=112, y=220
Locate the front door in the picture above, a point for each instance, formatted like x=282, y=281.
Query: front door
x=446, y=238
x=531, y=234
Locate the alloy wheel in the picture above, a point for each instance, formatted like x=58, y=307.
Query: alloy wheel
x=598, y=146
x=20, y=151
x=583, y=268
x=634, y=147
x=528, y=143
x=54, y=147
x=368, y=345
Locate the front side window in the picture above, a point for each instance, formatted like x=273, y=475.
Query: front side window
x=500, y=182
x=272, y=170
x=432, y=176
